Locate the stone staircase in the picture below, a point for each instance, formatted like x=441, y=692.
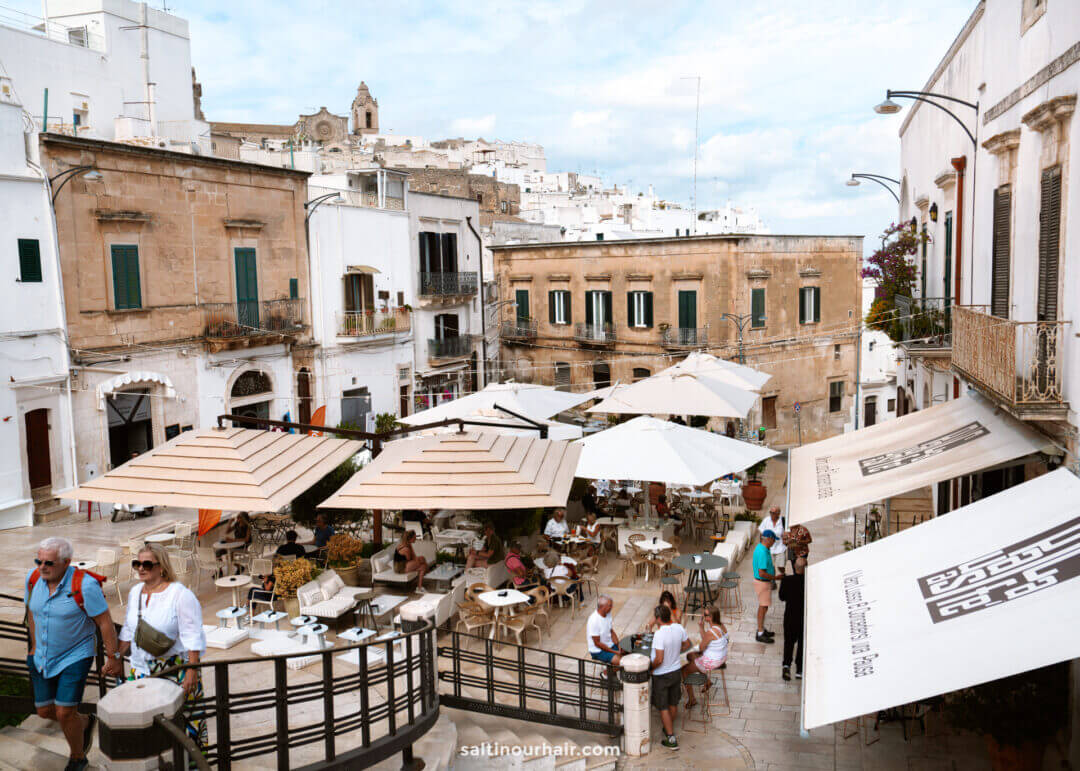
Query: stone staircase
x=36, y=743
x=46, y=507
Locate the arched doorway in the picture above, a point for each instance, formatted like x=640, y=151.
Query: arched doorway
x=869, y=411
x=252, y=394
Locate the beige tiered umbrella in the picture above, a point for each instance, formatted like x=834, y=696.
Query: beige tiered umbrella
x=231, y=469
x=465, y=470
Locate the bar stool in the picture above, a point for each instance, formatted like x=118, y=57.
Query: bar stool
x=705, y=702
x=729, y=598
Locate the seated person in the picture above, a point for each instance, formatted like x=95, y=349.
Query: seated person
x=264, y=594
x=415, y=515
x=239, y=529
x=592, y=532
x=554, y=567
x=406, y=559
x=323, y=531
x=556, y=527
x=712, y=651
x=603, y=643
x=492, y=553
x=519, y=573
x=667, y=598
x=290, y=548
x=665, y=511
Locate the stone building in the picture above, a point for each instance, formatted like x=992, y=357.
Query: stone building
x=588, y=314
x=365, y=111
x=497, y=200
x=185, y=285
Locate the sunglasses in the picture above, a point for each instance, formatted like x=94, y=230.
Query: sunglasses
x=46, y=563
x=144, y=564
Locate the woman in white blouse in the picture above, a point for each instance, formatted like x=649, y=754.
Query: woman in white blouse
x=173, y=610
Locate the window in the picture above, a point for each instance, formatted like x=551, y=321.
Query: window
x=599, y=236
x=836, y=353
x=1049, y=245
x=597, y=308
x=355, y=406
x=359, y=292
x=562, y=375
x=999, y=263
x=559, y=306
x=809, y=305
x=601, y=374
x=892, y=405
x=836, y=396
x=768, y=411
x=294, y=289
x=641, y=373
x=947, y=294
x=446, y=326
x=757, y=308
x=401, y=299
x=480, y=198
x=922, y=271
x=504, y=207
x=247, y=288
x=127, y=292
x=29, y=260
x=251, y=383
x=688, y=309
x=367, y=119
x=639, y=308
x=521, y=297
x=438, y=252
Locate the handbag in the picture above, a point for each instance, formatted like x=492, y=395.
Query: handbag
x=149, y=639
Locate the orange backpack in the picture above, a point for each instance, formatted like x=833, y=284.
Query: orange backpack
x=76, y=584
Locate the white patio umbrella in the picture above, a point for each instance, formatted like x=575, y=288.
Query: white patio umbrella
x=508, y=424
x=606, y=391
x=738, y=375
x=679, y=393
x=534, y=401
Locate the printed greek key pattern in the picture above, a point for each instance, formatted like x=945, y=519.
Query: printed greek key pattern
x=923, y=450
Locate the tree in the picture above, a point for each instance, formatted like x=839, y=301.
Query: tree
x=892, y=267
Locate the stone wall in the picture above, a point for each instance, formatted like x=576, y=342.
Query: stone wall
x=495, y=198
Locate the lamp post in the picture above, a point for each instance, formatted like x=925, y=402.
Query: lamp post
x=740, y=320
x=90, y=172
x=879, y=179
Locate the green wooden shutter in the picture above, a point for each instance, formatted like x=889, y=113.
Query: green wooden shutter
x=630, y=309
x=449, y=253
x=589, y=309
x=648, y=309
x=127, y=293
x=999, y=263
x=948, y=261
x=687, y=310
x=294, y=289
x=757, y=308
x=802, y=305
x=817, y=303
x=551, y=307
x=566, y=304
x=608, y=317
x=247, y=288
x=29, y=260
x=521, y=296
x=1049, y=244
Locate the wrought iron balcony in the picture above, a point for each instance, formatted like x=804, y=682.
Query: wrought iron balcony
x=684, y=337
x=449, y=347
x=1017, y=363
x=519, y=329
x=922, y=324
x=595, y=334
x=447, y=284
x=248, y=319
x=373, y=323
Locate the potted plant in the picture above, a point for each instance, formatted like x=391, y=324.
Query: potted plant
x=342, y=553
x=290, y=576
x=753, y=491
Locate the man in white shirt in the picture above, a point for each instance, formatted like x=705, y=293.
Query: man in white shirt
x=773, y=521
x=668, y=644
x=602, y=641
x=556, y=526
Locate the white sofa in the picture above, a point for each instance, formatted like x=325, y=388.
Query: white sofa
x=438, y=607
x=382, y=564
x=328, y=596
x=493, y=575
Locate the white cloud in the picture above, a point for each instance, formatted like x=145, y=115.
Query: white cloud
x=473, y=127
x=582, y=119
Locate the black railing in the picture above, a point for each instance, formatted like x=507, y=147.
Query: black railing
x=922, y=322
x=499, y=678
x=449, y=347
x=243, y=319
x=448, y=284
x=594, y=334
x=519, y=329
x=684, y=337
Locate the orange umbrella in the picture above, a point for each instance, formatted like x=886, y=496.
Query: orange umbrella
x=318, y=419
x=208, y=519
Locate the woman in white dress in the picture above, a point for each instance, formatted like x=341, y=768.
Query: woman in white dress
x=711, y=653
x=161, y=611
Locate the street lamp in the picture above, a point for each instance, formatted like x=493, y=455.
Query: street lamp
x=315, y=203
x=854, y=182
x=89, y=172
x=889, y=107
x=740, y=320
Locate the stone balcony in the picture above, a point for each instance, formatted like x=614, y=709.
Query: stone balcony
x=596, y=335
x=518, y=329
x=449, y=348
x=684, y=337
x=447, y=287
x=1018, y=364
x=247, y=324
x=374, y=324
x=923, y=325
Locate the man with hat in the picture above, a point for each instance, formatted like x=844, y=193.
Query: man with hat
x=764, y=578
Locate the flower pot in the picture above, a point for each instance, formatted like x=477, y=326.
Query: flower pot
x=753, y=493
x=292, y=606
x=350, y=575
x=1006, y=757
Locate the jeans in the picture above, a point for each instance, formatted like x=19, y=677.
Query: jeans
x=793, y=629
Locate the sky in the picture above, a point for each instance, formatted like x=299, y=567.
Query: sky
x=787, y=87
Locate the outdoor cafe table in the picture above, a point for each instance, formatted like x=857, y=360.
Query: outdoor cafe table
x=85, y=564
x=663, y=529
x=610, y=521
x=160, y=538
x=235, y=583
x=227, y=547
x=699, y=579
x=626, y=645
x=695, y=494
x=501, y=598
x=655, y=544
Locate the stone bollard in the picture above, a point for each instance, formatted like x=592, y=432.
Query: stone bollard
x=636, y=715
x=127, y=736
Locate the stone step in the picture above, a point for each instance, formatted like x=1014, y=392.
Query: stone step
x=50, y=511
x=18, y=753
x=436, y=748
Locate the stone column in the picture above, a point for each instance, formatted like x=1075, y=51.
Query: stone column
x=636, y=715
x=127, y=736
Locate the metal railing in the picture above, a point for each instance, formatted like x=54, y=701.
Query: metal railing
x=684, y=337
x=595, y=334
x=442, y=284
x=1019, y=361
x=244, y=319
x=519, y=329
x=370, y=323
x=923, y=323
x=449, y=347
x=528, y=684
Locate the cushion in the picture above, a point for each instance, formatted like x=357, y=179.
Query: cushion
x=389, y=576
x=309, y=594
x=332, y=583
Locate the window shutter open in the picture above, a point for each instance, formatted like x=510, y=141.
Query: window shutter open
x=802, y=306
x=999, y=280
x=29, y=260
x=521, y=297
x=589, y=309
x=608, y=317
x=648, y=309
x=817, y=303
x=1049, y=244
x=551, y=307
x=630, y=309
x=566, y=303
x=449, y=253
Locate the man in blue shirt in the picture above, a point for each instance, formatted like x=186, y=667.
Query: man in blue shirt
x=764, y=577
x=62, y=643
x=323, y=531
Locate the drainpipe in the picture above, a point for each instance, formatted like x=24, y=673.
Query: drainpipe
x=144, y=54
x=483, y=310
x=960, y=164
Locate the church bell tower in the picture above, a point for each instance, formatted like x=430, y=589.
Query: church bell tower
x=365, y=112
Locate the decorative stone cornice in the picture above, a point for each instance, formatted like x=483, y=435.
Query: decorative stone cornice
x=1043, y=117
x=758, y=274
x=687, y=276
x=246, y=224
x=109, y=215
x=809, y=272
x=945, y=179
x=520, y=277
x=558, y=277
x=639, y=277
x=1003, y=142
x=923, y=202
x=598, y=277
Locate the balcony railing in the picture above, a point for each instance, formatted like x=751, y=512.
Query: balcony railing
x=450, y=347
x=445, y=284
x=372, y=323
x=595, y=334
x=922, y=323
x=684, y=337
x=246, y=319
x=1019, y=362
x=519, y=329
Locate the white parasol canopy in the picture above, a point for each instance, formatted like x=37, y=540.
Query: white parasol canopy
x=658, y=451
x=679, y=393
x=738, y=375
x=606, y=391
x=508, y=424
x=535, y=401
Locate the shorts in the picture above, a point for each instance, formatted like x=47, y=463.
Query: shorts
x=667, y=689
x=605, y=656
x=763, y=589
x=706, y=665
x=65, y=689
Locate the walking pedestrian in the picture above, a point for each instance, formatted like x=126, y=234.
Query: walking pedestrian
x=764, y=580
x=64, y=606
x=668, y=644
x=793, y=595
x=776, y=523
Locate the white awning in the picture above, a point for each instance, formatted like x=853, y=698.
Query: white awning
x=952, y=439
x=362, y=269
x=132, y=378
x=987, y=591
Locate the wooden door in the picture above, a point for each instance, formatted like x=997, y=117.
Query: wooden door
x=38, y=457
x=247, y=289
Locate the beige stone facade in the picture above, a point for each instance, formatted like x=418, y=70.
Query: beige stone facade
x=498, y=200
x=812, y=356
